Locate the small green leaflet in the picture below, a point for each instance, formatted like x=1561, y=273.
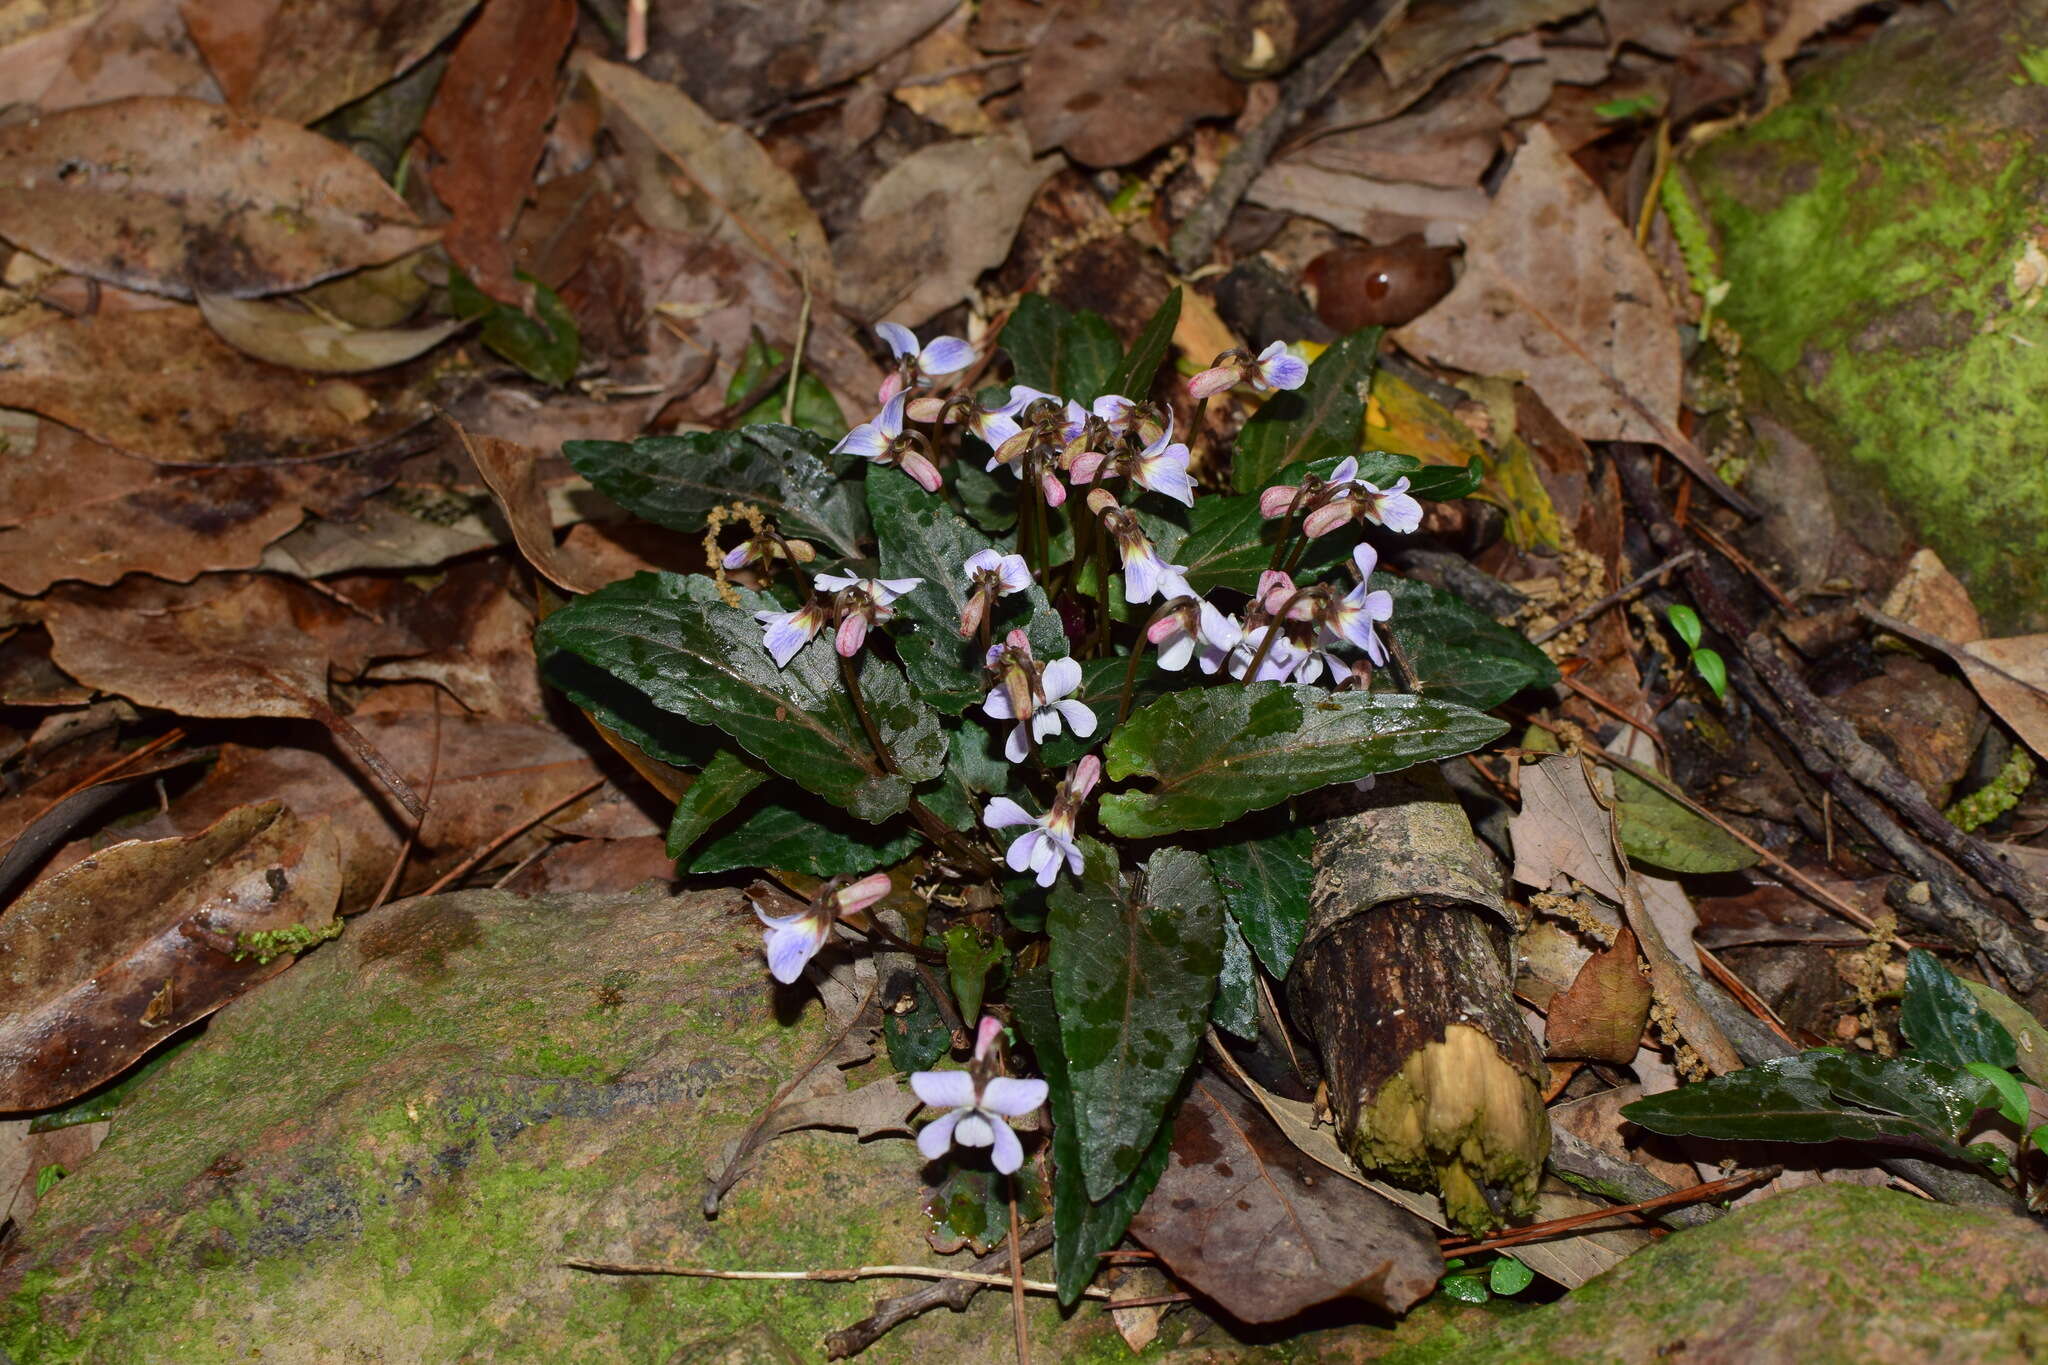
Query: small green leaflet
x=545, y=344
x=815, y=410
x=1216, y=753
x=717, y=792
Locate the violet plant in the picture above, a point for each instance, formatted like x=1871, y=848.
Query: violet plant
x=938, y=686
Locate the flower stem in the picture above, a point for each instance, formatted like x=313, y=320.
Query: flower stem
x=1123, y=701
x=1287, y=528
x=850, y=675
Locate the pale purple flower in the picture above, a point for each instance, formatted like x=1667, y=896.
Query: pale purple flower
x=1227, y=646
x=862, y=602
x=1163, y=467
x=1050, y=700
x=940, y=355
x=790, y=631
x=765, y=548
x=1351, y=619
x=1049, y=841
x=794, y=939
x=978, y=1103
x=1146, y=571
x=874, y=440
x=1349, y=496
x=1214, y=380
x=1276, y=369
x=990, y=574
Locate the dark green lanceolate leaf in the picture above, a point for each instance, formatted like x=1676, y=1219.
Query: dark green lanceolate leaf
x=968, y=963
x=1058, y=352
x=624, y=709
x=815, y=410
x=1236, y=1007
x=1447, y=483
x=1133, y=375
x=675, y=481
x=1323, y=418
x=1082, y=1228
x=797, y=838
x=1134, y=968
x=1228, y=544
x=1823, y=1096
x=1657, y=830
x=921, y=537
x=917, y=1037
x=1216, y=753
x=672, y=639
x=544, y=344
x=1265, y=879
x=1458, y=652
x=717, y=792
x=1944, y=1021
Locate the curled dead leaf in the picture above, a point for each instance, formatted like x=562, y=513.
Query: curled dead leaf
x=1601, y=1016
x=284, y=335
x=114, y=954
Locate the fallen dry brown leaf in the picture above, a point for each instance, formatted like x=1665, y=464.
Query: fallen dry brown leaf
x=1600, y=1017
x=1088, y=89
x=488, y=124
x=170, y=195
x=513, y=473
x=737, y=57
x=934, y=221
x=1246, y=1218
x=492, y=775
x=162, y=385
x=1556, y=289
x=693, y=174
x=134, y=47
x=116, y=953
x=301, y=59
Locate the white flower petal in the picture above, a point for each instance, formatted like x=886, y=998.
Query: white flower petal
x=1009, y=1153
x=1002, y=813
x=1079, y=716
x=901, y=340
x=937, y=1136
x=1013, y=1097
x=943, y=1089
x=974, y=1130
x=1061, y=677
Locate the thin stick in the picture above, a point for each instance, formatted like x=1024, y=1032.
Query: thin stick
x=796, y=355
x=1611, y=709
x=355, y=739
x=1712, y=1189
x=474, y=860
x=1741, y=561
x=412, y=836
x=1619, y=595
x=1313, y=79
x=859, y=1272
x=1748, y=998
x=954, y=1294
x=1018, y=1326
x=1960, y=653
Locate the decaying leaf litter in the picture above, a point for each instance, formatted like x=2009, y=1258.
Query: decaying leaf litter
x=301, y=308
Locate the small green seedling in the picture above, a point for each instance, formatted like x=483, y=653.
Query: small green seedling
x=1713, y=670
x=1504, y=1276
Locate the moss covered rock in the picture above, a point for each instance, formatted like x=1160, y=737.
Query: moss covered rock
x=386, y=1154
x=1824, y=1274
x=1882, y=234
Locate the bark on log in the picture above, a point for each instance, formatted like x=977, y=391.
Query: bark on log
x=1403, y=982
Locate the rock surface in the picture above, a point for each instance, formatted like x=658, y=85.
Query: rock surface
x=386, y=1154
x=1824, y=1274
x=1881, y=233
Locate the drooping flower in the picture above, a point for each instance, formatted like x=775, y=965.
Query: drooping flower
x=1177, y=632
x=1227, y=645
x=790, y=631
x=1050, y=841
x=978, y=1103
x=1276, y=369
x=1161, y=466
x=793, y=939
x=884, y=441
x=940, y=355
x=990, y=574
x=1039, y=699
x=1351, y=618
x=1146, y=572
x=766, y=547
x=861, y=603
x=1272, y=368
